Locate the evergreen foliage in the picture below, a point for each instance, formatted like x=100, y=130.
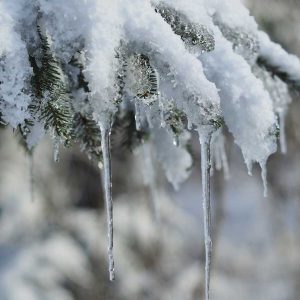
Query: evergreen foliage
x=192, y=34
x=51, y=102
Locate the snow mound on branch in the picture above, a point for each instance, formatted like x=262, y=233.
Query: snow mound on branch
x=15, y=70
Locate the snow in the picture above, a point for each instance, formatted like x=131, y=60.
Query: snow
x=15, y=70
x=205, y=86
x=278, y=57
x=281, y=98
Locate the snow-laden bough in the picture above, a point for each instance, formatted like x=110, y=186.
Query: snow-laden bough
x=72, y=69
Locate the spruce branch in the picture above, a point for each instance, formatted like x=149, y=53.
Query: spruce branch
x=191, y=33
x=146, y=84
x=243, y=42
x=51, y=102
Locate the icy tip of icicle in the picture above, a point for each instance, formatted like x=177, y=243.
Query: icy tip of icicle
x=263, y=166
x=112, y=275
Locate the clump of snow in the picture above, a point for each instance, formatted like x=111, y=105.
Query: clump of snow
x=15, y=70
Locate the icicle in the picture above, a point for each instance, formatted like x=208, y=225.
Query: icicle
x=31, y=176
x=283, y=146
x=264, y=177
x=105, y=128
x=138, y=124
x=56, y=144
x=205, y=139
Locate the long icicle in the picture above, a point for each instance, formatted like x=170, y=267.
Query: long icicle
x=105, y=144
x=205, y=140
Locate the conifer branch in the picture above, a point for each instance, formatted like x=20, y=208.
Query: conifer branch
x=51, y=99
x=192, y=34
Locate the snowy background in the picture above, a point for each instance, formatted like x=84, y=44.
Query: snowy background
x=54, y=247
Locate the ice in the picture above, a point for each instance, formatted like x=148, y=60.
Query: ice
x=107, y=181
x=205, y=135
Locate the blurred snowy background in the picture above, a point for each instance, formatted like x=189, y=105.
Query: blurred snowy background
x=54, y=248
